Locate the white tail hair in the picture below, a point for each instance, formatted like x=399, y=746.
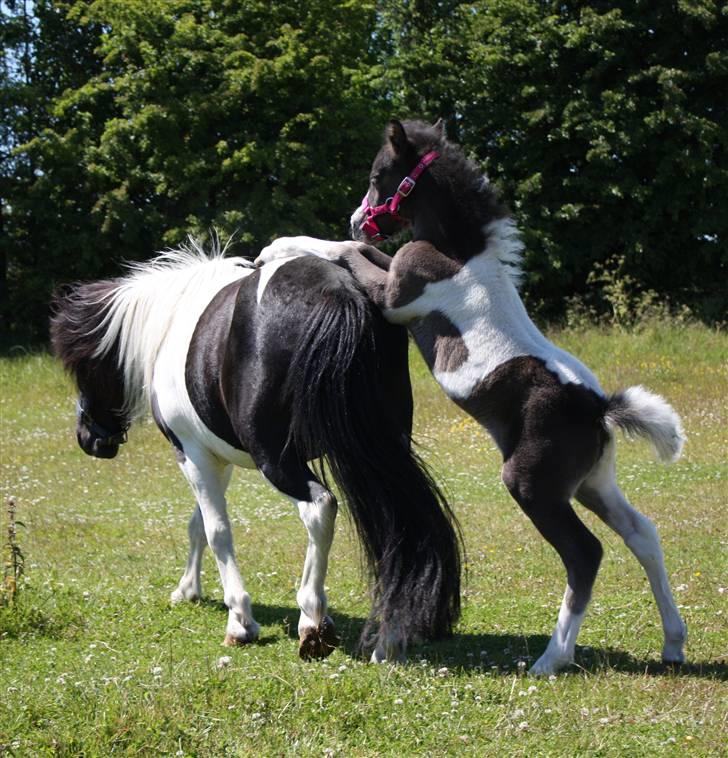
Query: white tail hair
x=640, y=413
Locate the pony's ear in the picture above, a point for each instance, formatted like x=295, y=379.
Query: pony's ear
x=396, y=137
x=439, y=127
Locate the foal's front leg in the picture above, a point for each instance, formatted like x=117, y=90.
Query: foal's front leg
x=208, y=479
x=369, y=266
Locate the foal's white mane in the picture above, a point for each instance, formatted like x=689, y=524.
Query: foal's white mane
x=505, y=245
x=142, y=308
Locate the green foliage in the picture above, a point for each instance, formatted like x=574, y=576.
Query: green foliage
x=254, y=118
x=125, y=125
x=602, y=124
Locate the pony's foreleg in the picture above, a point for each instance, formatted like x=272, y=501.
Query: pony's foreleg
x=600, y=493
x=189, y=587
x=317, y=509
x=208, y=479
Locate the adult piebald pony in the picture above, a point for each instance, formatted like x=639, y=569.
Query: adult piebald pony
x=270, y=368
x=455, y=287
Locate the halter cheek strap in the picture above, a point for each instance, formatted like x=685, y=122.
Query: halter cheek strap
x=369, y=226
x=103, y=435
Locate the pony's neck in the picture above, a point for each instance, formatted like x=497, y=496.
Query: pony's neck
x=175, y=285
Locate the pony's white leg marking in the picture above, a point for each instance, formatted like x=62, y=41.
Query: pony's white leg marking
x=601, y=493
x=208, y=479
x=560, y=650
x=318, y=517
x=189, y=587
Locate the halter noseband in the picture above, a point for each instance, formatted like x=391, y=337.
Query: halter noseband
x=102, y=434
x=389, y=207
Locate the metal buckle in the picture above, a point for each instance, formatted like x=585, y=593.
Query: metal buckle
x=406, y=186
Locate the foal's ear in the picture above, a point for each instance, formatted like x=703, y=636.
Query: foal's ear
x=439, y=127
x=396, y=137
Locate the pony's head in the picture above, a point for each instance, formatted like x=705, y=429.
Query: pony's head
x=421, y=180
x=77, y=326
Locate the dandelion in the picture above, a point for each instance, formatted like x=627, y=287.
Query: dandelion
x=157, y=671
x=223, y=661
x=523, y=726
x=399, y=701
x=444, y=671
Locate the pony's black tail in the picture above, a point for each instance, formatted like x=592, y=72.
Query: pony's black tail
x=346, y=385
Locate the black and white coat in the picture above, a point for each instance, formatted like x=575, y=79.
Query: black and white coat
x=455, y=288
x=269, y=368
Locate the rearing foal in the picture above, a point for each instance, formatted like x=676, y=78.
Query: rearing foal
x=455, y=287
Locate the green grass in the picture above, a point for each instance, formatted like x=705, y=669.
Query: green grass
x=94, y=661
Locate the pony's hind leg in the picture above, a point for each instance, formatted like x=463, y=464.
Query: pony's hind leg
x=209, y=479
x=189, y=588
x=600, y=493
x=579, y=550
x=317, y=509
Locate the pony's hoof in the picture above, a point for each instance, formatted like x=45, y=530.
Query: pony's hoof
x=245, y=636
x=318, y=642
x=548, y=666
x=181, y=596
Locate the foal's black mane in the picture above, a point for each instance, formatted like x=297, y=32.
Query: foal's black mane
x=472, y=201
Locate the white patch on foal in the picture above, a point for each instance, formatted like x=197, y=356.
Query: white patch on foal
x=483, y=304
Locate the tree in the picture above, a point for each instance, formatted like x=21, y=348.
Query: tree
x=604, y=125
x=250, y=117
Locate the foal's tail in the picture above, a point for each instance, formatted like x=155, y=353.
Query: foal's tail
x=352, y=401
x=640, y=413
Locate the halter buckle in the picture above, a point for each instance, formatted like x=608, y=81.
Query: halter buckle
x=406, y=186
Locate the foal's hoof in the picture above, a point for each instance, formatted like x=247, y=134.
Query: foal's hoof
x=318, y=642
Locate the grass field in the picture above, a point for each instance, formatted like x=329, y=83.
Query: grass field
x=94, y=661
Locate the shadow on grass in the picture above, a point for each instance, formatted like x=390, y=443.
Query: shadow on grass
x=498, y=653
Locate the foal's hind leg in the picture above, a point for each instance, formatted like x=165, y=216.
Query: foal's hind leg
x=317, y=509
x=579, y=549
x=599, y=492
x=189, y=587
x=208, y=479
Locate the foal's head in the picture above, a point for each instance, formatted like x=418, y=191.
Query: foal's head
x=450, y=205
x=76, y=330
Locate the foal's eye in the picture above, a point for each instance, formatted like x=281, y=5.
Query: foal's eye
x=374, y=179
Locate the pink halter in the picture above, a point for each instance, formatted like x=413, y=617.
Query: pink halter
x=369, y=226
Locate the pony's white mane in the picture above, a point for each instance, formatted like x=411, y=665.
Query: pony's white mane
x=142, y=307
x=505, y=245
